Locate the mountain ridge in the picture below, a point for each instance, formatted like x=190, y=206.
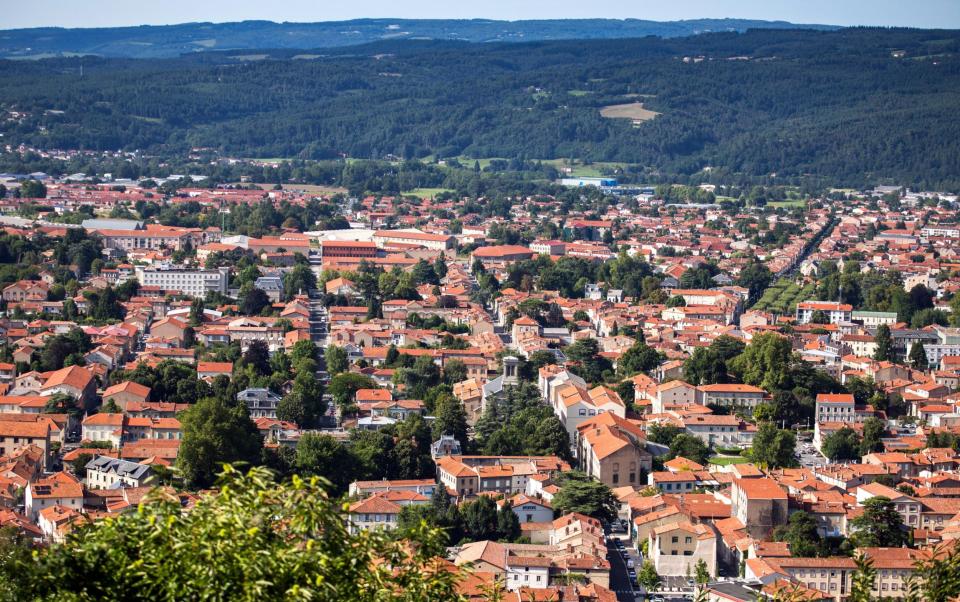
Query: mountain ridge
x=168, y=41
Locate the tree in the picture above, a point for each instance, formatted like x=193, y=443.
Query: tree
x=873, y=430
x=33, y=189
x=589, y=364
x=326, y=457
x=884, y=351
x=303, y=350
x=702, y=572
x=257, y=356
x=299, y=280
x=272, y=542
x=843, y=444
x=765, y=362
x=801, y=533
x=480, y=519
x=253, y=302
x=880, y=525
x=819, y=317
x=79, y=464
x=773, y=447
x=755, y=278
x=451, y=419
x=863, y=581
x=304, y=403
x=580, y=493
x=344, y=386
x=454, y=371
x=214, y=434
x=638, y=358
x=663, y=434
x=648, y=577
x=690, y=447
x=336, y=359
x=918, y=356
x=111, y=407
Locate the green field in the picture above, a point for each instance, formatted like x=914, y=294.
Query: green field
x=728, y=460
x=426, y=193
x=783, y=295
x=788, y=204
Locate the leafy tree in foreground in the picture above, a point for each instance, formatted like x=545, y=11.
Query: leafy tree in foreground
x=254, y=540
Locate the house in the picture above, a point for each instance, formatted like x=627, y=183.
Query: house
x=56, y=521
x=907, y=507
x=104, y=472
x=734, y=396
x=677, y=548
x=262, y=403
x=529, y=509
x=59, y=489
x=612, y=450
x=211, y=370
x=74, y=381
x=835, y=313
x=17, y=435
x=381, y=510
x=760, y=504
x=126, y=393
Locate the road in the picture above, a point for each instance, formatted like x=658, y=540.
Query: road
x=620, y=581
x=809, y=457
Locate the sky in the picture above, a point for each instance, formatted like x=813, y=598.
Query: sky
x=110, y=13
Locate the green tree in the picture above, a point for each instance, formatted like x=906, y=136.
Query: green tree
x=253, y=301
x=773, y=447
x=863, y=581
x=271, y=542
x=214, y=434
x=918, y=356
x=880, y=525
x=451, y=419
x=801, y=533
x=702, y=572
x=344, y=386
x=690, y=447
x=580, y=493
x=648, y=577
x=884, y=351
x=454, y=371
x=299, y=280
x=326, y=457
x=873, y=430
x=336, y=360
x=844, y=444
x=765, y=362
x=638, y=358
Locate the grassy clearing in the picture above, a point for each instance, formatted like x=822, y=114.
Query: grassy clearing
x=426, y=193
x=728, y=460
x=579, y=93
x=788, y=204
x=631, y=110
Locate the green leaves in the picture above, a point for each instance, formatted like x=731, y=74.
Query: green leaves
x=255, y=540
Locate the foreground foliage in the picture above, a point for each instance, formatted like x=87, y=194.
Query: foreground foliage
x=255, y=540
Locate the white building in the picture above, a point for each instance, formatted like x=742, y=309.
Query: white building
x=195, y=283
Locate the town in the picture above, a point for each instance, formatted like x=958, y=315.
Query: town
x=596, y=393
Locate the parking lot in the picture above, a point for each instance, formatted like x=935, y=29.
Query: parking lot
x=808, y=456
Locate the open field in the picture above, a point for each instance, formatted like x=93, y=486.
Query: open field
x=631, y=110
x=426, y=193
x=788, y=204
x=310, y=188
x=728, y=460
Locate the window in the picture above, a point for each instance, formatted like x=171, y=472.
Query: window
x=687, y=539
x=674, y=539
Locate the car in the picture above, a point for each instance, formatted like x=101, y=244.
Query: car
x=618, y=542
x=630, y=563
x=633, y=575
x=656, y=599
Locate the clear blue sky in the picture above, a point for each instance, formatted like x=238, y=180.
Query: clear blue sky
x=104, y=13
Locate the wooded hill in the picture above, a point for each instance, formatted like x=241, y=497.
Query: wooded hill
x=853, y=106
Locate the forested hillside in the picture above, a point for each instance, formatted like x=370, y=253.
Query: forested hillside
x=851, y=106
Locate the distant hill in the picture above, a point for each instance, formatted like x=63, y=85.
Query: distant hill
x=848, y=106
x=149, y=41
